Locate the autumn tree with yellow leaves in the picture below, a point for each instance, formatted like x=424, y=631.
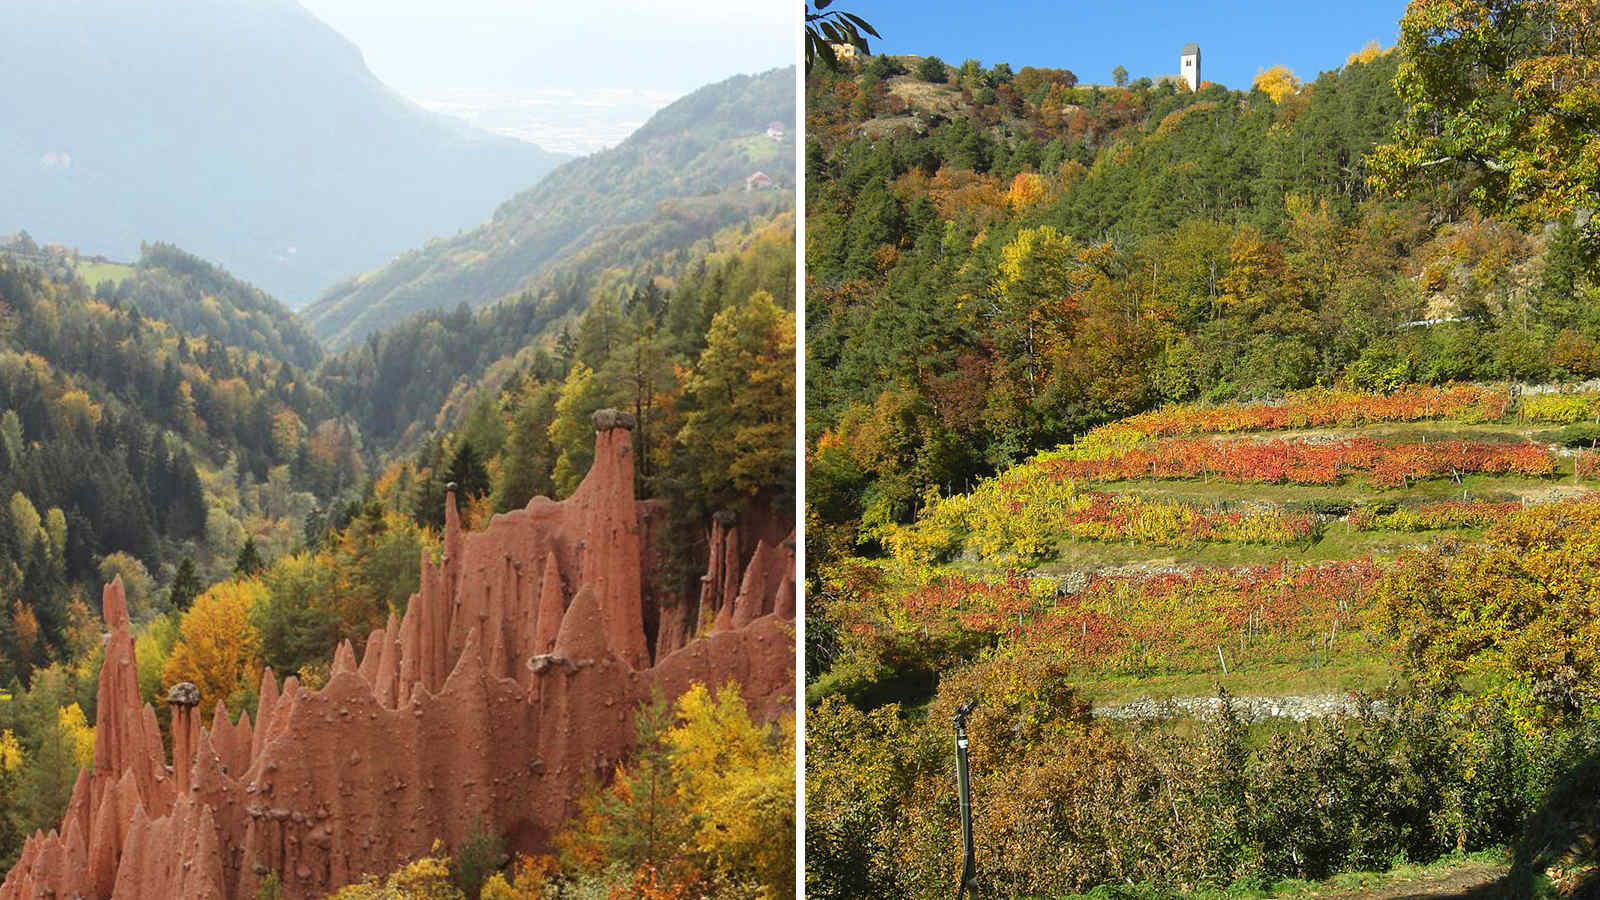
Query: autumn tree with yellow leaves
x=1369, y=52
x=705, y=806
x=219, y=648
x=1277, y=82
x=737, y=777
x=572, y=430
x=738, y=435
x=77, y=734
x=427, y=878
x=11, y=760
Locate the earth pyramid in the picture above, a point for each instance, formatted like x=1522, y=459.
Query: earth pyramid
x=513, y=674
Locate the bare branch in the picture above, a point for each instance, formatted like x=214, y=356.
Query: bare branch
x=1493, y=165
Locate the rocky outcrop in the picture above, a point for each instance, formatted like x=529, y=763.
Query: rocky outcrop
x=749, y=572
x=512, y=677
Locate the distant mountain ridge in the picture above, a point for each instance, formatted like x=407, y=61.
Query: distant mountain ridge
x=199, y=297
x=246, y=131
x=701, y=148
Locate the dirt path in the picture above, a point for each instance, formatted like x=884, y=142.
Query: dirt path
x=1471, y=880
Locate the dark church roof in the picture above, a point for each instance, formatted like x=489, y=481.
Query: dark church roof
x=1189, y=48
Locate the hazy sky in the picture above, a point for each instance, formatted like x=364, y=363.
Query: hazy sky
x=1236, y=38
x=428, y=47
x=572, y=76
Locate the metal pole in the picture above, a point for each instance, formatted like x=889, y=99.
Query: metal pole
x=969, y=874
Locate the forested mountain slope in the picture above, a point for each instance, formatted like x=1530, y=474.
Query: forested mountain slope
x=289, y=162
x=136, y=441
x=683, y=173
x=131, y=446
x=1268, y=403
x=177, y=287
x=699, y=352
x=1017, y=259
x=421, y=375
x=169, y=424
x=199, y=297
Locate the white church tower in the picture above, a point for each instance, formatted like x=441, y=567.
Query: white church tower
x=1189, y=57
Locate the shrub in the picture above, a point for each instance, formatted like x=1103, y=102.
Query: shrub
x=1432, y=516
x=1515, y=611
x=862, y=773
x=1063, y=804
x=1579, y=434
x=883, y=67
x=1295, y=462
x=932, y=69
x=1586, y=464
x=1560, y=409
x=427, y=878
x=480, y=855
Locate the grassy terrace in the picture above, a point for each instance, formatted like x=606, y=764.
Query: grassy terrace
x=1337, y=539
x=1352, y=668
x=1335, y=544
x=1163, y=643
x=97, y=273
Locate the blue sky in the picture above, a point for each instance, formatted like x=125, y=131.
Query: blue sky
x=1236, y=39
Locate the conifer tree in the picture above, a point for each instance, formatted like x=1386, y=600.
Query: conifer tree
x=249, y=561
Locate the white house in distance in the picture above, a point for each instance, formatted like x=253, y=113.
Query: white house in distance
x=1189, y=70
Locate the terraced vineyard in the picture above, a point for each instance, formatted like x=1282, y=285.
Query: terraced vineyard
x=1172, y=551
